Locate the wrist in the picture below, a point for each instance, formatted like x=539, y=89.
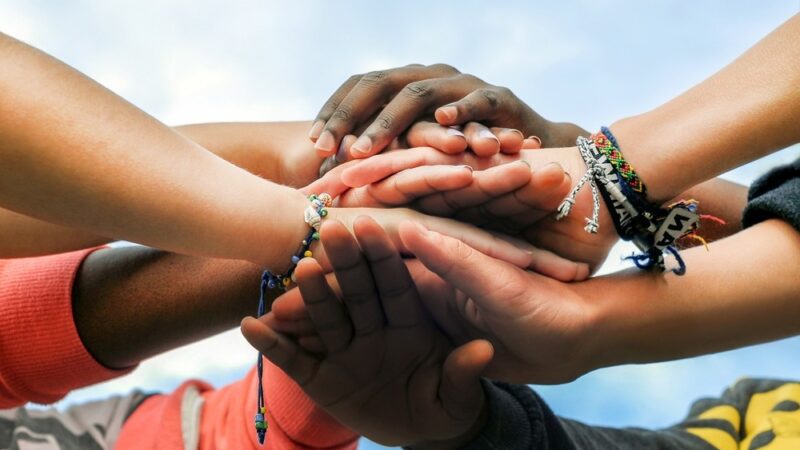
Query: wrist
x=642, y=143
x=469, y=435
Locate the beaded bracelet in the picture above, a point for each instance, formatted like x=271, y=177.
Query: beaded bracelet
x=651, y=228
x=313, y=216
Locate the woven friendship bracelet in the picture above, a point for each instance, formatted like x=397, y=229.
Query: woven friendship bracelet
x=652, y=229
x=313, y=216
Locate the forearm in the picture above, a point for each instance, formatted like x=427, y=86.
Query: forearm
x=77, y=155
x=133, y=303
x=278, y=151
x=24, y=236
x=747, y=110
x=722, y=199
x=748, y=278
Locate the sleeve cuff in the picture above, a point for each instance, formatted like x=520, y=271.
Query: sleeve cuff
x=43, y=355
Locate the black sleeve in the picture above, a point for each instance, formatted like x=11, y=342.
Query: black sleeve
x=775, y=195
x=520, y=420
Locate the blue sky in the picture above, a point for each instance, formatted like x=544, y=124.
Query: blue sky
x=589, y=62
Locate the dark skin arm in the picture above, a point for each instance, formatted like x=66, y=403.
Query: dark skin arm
x=133, y=303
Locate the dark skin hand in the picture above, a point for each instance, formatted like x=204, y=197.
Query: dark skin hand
x=387, y=372
x=385, y=103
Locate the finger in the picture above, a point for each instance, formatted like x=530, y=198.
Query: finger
x=330, y=106
x=514, y=251
x=398, y=294
x=281, y=351
x=460, y=388
x=354, y=277
x=477, y=275
x=532, y=143
x=326, y=311
x=368, y=96
x=480, y=105
x=481, y=139
x=546, y=189
x=511, y=140
x=330, y=183
x=411, y=184
x=290, y=307
x=343, y=152
x=557, y=267
x=430, y=134
x=486, y=185
x=379, y=167
x=294, y=328
x=412, y=102
x=311, y=344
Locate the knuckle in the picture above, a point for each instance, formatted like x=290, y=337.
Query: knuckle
x=443, y=68
x=342, y=113
x=375, y=77
x=504, y=91
x=385, y=121
x=471, y=80
x=418, y=90
x=490, y=96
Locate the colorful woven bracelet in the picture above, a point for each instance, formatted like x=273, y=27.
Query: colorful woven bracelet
x=313, y=216
x=651, y=228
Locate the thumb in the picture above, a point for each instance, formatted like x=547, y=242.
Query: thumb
x=460, y=388
x=330, y=183
x=478, y=276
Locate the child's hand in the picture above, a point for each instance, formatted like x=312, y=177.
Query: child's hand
x=387, y=372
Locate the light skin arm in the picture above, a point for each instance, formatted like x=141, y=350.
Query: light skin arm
x=75, y=154
x=276, y=151
x=102, y=165
x=747, y=110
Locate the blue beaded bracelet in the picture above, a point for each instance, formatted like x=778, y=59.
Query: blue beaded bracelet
x=313, y=216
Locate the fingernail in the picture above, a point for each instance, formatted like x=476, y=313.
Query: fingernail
x=325, y=142
x=468, y=167
x=316, y=129
x=514, y=130
x=327, y=165
x=449, y=112
x=362, y=145
x=454, y=132
x=486, y=134
x=341, y=154
x=525, y=162
x=535, y=138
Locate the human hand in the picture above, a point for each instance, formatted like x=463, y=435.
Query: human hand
x=514, y=251
x=512, y=203
x=386, y=372
x=388, y=102
x=539, y=327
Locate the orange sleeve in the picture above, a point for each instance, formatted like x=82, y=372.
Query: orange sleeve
x=42, y=356
x=225, y=419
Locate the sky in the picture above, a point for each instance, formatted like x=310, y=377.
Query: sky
x=588, y=62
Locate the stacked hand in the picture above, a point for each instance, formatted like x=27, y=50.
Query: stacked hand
x=503, y=195
x=537, y=326
x=386, y=371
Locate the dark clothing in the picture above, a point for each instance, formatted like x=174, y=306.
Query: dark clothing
x=775, y=195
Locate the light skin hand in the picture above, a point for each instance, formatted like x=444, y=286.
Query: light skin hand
x=387, y=372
